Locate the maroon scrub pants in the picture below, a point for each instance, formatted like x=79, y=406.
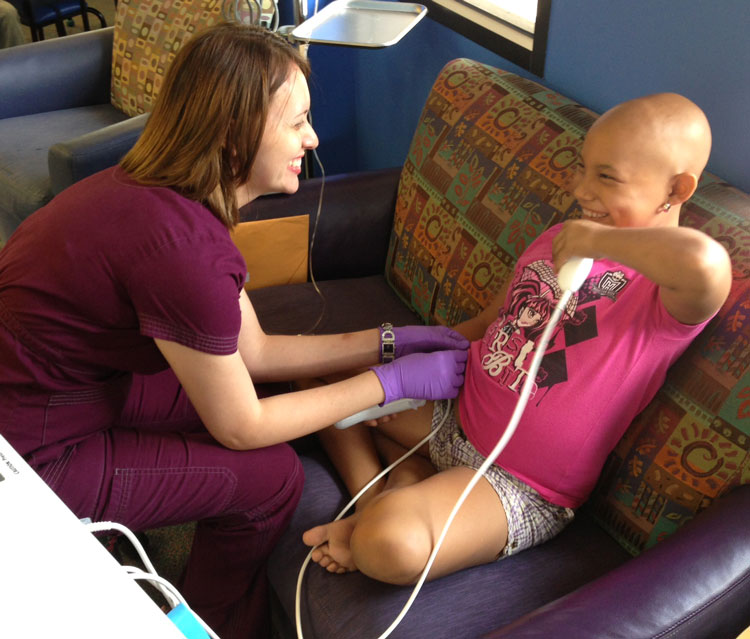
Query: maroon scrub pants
x=158, y=467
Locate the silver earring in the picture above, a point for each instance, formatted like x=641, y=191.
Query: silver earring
x=665, y=207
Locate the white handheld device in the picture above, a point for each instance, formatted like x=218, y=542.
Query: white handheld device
x=378, y=411
x=574, y=273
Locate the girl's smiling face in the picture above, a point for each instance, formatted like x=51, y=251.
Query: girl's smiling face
x=623, y=179
x=286, y=137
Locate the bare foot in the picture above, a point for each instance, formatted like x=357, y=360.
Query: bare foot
x=331, y=541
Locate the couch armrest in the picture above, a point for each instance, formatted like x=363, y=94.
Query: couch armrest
x=55, y=74
x=79, y=157
x=354, y=225
x=694, y=584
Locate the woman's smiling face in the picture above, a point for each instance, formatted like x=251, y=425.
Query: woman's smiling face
x=286, y=137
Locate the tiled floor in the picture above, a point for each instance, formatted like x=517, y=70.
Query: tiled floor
x=107, y=7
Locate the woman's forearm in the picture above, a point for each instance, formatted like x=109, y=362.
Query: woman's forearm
x=284, y=417
x=271, y=358
x=225, y=398
x=289, y=357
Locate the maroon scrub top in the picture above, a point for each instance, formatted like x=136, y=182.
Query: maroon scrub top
x=87, y=282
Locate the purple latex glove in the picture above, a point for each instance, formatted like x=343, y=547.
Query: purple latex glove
x=425, y=339
x=437, y=375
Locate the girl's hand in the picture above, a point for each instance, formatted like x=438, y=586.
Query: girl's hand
x=373, y=423
x=578, y=238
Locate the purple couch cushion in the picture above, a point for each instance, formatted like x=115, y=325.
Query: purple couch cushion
x=466, y=604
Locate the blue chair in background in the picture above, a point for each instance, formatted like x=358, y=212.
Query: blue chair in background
x=37, y=14
x=57, y=124
x=73, y=106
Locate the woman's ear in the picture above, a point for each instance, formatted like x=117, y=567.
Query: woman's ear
x=683, y=187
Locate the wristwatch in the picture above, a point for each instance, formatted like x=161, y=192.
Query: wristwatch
x=387, y=343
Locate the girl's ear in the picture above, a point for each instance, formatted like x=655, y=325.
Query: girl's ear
x=683, y=187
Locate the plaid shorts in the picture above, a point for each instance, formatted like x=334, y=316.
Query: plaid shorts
x=532, y=520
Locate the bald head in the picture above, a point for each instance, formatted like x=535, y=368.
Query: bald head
x=667, y=125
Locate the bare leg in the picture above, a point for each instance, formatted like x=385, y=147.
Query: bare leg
x=358, y=454
x=392, y=536
x=395, y=534
x=355, y=457
x=352, y=451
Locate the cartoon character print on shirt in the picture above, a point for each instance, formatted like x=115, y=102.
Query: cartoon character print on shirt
x=510, y=342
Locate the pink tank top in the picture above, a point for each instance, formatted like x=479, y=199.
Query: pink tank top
x=607, y=358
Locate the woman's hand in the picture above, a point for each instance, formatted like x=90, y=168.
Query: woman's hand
x=425, y=339
x=437, y=375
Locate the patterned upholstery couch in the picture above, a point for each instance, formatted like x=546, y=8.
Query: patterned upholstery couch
x=431, y=242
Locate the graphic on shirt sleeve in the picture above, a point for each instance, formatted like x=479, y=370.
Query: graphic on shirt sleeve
x=610, y=284
x=510, y=342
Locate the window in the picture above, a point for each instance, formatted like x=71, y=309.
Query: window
x=514, y=29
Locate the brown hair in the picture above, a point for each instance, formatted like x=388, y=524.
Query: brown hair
x=207, y=123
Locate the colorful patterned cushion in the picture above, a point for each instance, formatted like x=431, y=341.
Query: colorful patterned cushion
x=487, y=173
x=148, y=34
x=692, y=443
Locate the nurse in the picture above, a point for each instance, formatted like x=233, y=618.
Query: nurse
x=129, y=351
